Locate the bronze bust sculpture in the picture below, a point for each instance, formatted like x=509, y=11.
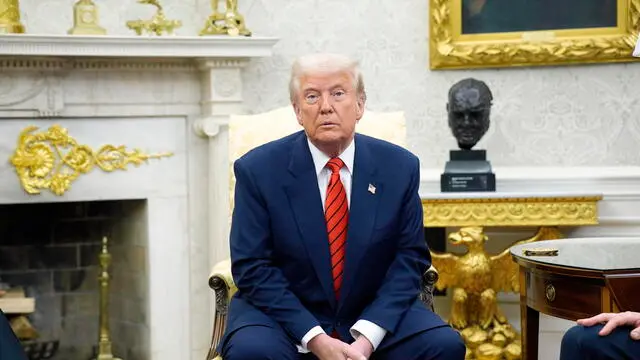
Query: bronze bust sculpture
x=469, y=108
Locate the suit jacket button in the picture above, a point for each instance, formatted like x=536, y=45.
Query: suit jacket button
x=339, y=323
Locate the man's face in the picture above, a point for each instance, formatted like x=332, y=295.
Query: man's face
x=328, y=108
x=468, y=116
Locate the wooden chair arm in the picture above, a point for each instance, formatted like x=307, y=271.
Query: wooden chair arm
x=221, y=282
x=429, y=279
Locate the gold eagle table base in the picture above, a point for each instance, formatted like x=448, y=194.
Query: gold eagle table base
x=476, y=277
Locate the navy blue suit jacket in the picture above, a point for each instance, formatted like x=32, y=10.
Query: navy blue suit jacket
x=280, y=252
x=10, y=348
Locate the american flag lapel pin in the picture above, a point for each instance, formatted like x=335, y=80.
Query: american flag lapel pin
x=372, y=189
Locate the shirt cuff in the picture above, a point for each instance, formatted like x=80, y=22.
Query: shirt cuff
x=369, y=330
x=315, y=331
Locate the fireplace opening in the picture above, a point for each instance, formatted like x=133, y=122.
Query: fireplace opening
x=49, y=268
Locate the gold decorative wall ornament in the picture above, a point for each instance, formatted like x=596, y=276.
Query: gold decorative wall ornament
x=53, y=159
x=451, y=49
x=475, y=278
x=85, y=19
x=157, y=25
x=104, y=342
x=229, y=22
x=10, y=17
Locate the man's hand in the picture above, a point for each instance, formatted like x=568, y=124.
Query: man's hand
x=327, y=348
x=362, y=346
x=612, y=321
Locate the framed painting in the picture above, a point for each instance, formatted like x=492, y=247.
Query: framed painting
x=503, y=33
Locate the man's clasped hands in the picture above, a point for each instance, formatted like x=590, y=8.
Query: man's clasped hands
x=326, y=347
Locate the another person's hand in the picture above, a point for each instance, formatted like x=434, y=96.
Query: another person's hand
x=611, y=321
x=327, y=348
x=363, y=346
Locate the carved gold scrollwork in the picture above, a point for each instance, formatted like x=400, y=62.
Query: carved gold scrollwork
x=447, y=50
x=540, y=211
x=53, y=159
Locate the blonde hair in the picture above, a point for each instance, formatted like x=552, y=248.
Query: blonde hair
x=325, y=63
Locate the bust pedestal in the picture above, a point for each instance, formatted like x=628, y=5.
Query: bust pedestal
x=467, y=170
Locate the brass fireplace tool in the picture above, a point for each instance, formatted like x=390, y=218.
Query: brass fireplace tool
x=104, y=344
x=10, y=17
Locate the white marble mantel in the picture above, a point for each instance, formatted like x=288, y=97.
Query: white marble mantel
x=184, y=47
x=159, y=93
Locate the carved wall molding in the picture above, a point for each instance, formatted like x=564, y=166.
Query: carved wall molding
x=175, y=47
x=40, y=93
x=221, y=63
x=52, y=63
x=48, y=67
x=54, y=97
x=15, y=90
x=29, y=51
x=25, y=63
x=133, y=64
x=210, y=126
x=227, y=82
x=12, y=63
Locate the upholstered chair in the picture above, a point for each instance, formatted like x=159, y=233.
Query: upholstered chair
x=249, y=131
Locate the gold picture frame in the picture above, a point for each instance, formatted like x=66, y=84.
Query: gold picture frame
x=451, y=49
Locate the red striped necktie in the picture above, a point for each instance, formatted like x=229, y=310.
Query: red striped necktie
x=337, y=216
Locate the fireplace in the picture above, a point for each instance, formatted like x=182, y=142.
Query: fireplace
x=166, y=218
x=50, y=250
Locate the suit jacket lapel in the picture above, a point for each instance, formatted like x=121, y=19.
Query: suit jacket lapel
x=306, y=203
x=362, y=212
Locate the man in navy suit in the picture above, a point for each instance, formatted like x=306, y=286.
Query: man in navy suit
x=327, y=243
x=10, y=348
x=603, y=337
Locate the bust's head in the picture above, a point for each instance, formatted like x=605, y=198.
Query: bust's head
x=469, y=107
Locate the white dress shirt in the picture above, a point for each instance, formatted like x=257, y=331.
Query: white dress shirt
x=369, y=330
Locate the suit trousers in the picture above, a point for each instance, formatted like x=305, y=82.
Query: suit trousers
x=10, y=348
x=584, y=343
x=267, y=343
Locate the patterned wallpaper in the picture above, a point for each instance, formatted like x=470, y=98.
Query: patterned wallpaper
x=545, y=116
